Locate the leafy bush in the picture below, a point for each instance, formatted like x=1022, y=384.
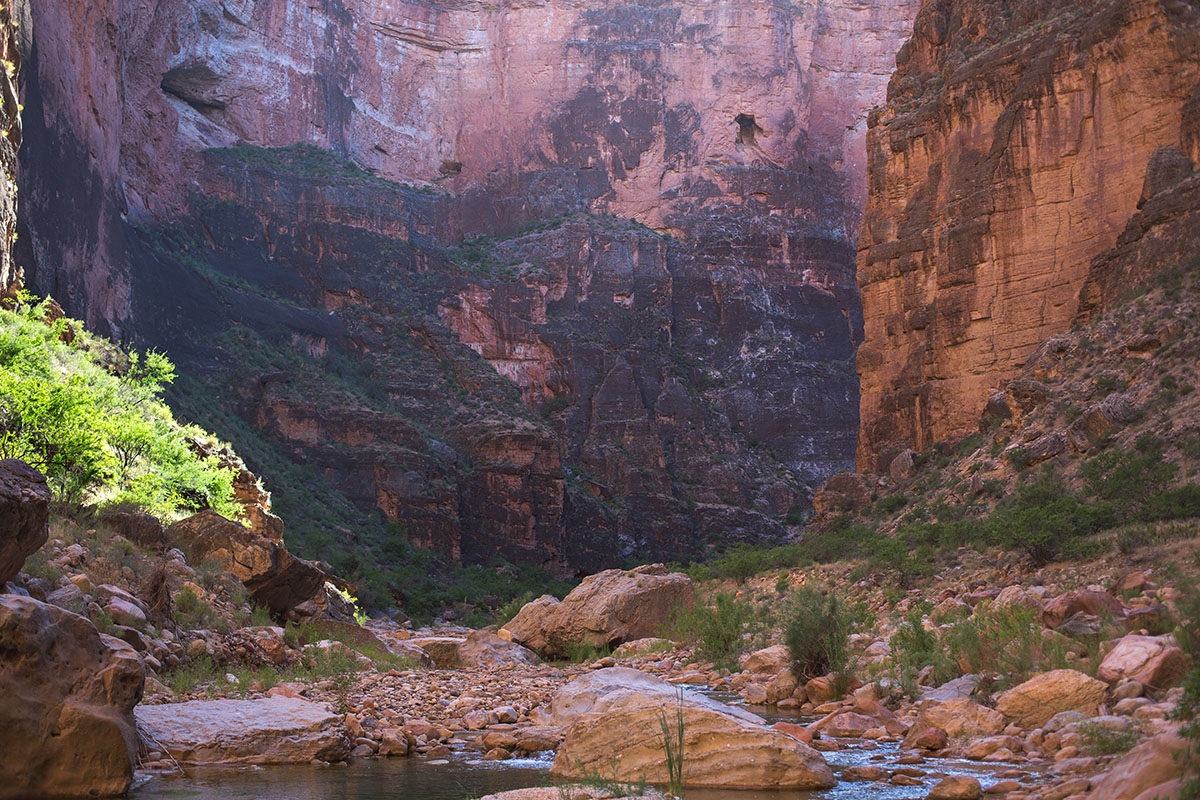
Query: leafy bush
x=816, y=629
x=913, y=649
x=1006, y=641
x=1043, y=517
x=91, y=418
x=716, y=631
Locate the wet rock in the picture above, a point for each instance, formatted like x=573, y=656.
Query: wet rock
x=24, y=509
x=276, y=730
x=69, y=692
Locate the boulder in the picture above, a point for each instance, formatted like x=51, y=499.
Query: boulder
x=1093, y=603
x=275, y=730
x=608, y=608
x=1018, y=597
x=1151, y=763
x=1152, y=661
x=274, y=577
x=958, y=718
x=613, y=719
x=1038, y=699
x=69, y=693
x=956, y=787
x=442, y=649
x=486, y=650
x=24, y=509
x=768, y=661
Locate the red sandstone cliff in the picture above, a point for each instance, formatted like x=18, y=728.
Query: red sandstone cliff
x=1012, y=152
x=672, y=391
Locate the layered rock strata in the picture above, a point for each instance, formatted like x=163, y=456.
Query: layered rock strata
x=669, y=388
x=1012, y=151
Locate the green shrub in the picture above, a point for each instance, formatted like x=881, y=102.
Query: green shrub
x=913, y=649
x=816, y=631
x=91, y=418
x=715, y=630
x=1043, y=517
x=1102, y=740
x=1005, y=641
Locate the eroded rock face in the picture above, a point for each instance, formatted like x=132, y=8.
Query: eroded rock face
x=608, y=608
x=275, y=578
x=275, y=730
x=10, y=124
x=670, y=391
x=24, y=509
x=723, y=747
x=69, y=693
x=1012, y=152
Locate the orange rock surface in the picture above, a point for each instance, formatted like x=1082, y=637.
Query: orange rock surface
x=1011, y=153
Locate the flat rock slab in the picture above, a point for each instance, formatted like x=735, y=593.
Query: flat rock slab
x=277, y=730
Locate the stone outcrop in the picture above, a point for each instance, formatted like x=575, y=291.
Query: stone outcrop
x=608, y=608
x=275, y=730
x=590, y=374
x=24, y=509
x=956, y=717
x=69, y=693
x=1041, y=697
x=13, y=22
x=723, y=747
x=1013, y=151
x=1150, y=764
x=275, y=578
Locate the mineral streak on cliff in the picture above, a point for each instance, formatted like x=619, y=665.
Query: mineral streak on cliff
x=736, y=128
x=1012, y=151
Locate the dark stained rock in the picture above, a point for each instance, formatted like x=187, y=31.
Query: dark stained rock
x=24, y=509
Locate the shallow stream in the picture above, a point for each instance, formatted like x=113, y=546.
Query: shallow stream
x=465, y=775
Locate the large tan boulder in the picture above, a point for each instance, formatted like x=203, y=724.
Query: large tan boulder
x=1153, y=661
x=442, y=649
x=274, y=577
x=607, y=608
x=768, y=661
x=614, y=731
x=958, y=717
x=1038, y=699
x=24, y=509
x=1150, y=764
x=67, y=694
x=275, y=730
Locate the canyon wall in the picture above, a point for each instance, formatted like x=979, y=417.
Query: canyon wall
x=1011, y=155
x=556, y=281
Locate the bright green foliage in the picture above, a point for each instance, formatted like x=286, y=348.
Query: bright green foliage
x=90, y=418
